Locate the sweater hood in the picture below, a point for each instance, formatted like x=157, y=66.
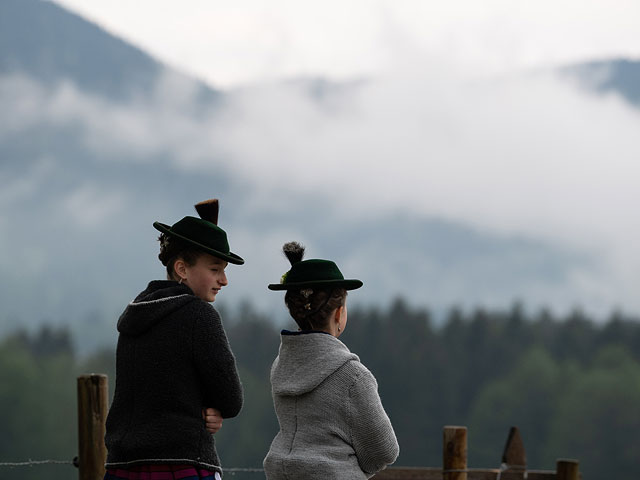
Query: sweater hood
x=160, y=299
x=305, y=360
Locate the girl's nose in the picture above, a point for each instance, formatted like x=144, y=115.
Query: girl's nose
x=223, y=279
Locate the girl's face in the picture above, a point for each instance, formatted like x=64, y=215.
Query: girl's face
x=206, y=277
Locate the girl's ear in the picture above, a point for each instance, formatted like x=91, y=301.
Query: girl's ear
x=181, y=269
x=338, y=314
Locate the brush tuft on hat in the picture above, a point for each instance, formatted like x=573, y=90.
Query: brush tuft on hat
x=208, y=210
x=294, y=252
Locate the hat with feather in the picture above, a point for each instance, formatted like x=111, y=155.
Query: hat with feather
x=312, y=273
x=203, y=233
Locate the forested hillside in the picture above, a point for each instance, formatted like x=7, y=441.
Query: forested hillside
x=571, y=384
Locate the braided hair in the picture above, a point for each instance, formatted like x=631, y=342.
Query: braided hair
x=311, y=308
x=172, y=249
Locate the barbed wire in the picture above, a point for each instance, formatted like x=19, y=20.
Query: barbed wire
x=74, y=462
x=31, y=463
x=233, y=471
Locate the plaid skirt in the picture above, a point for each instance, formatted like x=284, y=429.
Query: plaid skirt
x=161, y=472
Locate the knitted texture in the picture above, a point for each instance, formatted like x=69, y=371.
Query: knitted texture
x=332, y=422
x=173, y=359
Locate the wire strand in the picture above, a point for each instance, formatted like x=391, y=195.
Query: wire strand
x=31, y=463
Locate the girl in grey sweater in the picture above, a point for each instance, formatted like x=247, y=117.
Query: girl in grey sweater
x=332, y=423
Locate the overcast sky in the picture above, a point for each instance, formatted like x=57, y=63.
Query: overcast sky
x=245, y=41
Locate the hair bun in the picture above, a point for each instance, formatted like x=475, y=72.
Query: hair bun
x=208, y=210
x=294, y=252
x=165, y=249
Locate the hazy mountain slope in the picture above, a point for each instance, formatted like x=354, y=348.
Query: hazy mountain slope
x=619, y=76
x=86, y=166
x=51, y=44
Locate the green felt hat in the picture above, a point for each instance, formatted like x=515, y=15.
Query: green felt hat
x=314, y=273
x=203, y=233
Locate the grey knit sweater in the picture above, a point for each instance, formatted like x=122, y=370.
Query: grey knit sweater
x=332, y=423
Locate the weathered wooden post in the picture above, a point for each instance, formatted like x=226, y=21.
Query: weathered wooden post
x=454, y=453
x=93, y=404
x=514, y=457
x=567, y=469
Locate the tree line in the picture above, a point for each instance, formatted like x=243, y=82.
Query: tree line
x=571, y=383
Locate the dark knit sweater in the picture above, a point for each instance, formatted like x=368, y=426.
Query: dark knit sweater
x=173, y=360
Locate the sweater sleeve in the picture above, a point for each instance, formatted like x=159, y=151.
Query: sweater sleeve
x=216, y=364
x=373, y=438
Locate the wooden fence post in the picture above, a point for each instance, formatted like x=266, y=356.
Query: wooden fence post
x=454, y=453
x=567, y=469
x=514, y=457
x=93, y=399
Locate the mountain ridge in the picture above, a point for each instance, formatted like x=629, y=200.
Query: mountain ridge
x=48, y=42
x=619, y=76
x=86, y=173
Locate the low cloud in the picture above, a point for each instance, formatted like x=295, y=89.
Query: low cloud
x=89, y=206
x=532, y=155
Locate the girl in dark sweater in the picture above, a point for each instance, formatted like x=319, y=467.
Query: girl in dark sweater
x=176, y=377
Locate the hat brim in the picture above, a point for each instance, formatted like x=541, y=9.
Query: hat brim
x=229, y=257
x=347, y=284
